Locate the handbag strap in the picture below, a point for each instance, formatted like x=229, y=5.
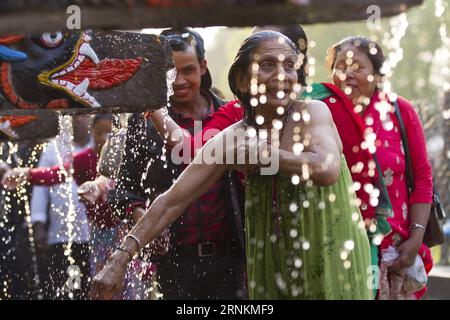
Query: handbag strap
x=408, y=169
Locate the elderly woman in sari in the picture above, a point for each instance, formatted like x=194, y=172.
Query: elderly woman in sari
x=305, y=235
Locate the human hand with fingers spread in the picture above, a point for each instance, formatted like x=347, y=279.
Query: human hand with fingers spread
x=109, y=281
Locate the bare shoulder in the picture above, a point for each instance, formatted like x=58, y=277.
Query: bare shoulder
x=317, y=110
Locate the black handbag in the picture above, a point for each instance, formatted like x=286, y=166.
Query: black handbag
x=434, y=233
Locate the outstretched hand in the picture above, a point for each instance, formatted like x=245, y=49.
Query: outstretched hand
x=109, y=281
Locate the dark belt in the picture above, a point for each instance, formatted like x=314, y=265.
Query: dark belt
x=205, y=249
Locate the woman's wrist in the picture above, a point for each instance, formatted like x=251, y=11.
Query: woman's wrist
x=126, y=251
x=120, y=257
x=416, y=235
x=415, y=239
x=25, y=173
x=130, y=246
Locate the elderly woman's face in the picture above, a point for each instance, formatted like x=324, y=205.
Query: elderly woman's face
x=273, y=68
x=354, y=74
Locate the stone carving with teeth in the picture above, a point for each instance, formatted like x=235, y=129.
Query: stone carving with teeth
x=78, y=72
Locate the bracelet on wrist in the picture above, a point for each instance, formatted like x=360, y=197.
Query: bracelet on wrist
x=415, y=226
x=136, y=239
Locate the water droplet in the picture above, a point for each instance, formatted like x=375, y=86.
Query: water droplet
x=293, y=233
x=277, y=124
x=280, y=110
x=297, y=148
x=332, y=197
x=280, y=94
x=263, y=99
x=349, y=245
x=259, y=119
x=293, y=207
x=306, y=245
x=377, y=239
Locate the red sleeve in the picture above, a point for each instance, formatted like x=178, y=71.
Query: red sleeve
x=421, y=167
x=85, y=166
x=47, y=176
x=228, y=114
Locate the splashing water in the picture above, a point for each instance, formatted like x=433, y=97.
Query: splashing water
x=170, y=79
x=22, y=190
x=65, y=149
x=15, y=206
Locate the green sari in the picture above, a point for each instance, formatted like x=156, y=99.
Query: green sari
x=306, y=242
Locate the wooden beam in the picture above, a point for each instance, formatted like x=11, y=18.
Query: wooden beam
x=30, y=16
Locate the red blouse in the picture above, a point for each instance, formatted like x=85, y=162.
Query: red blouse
x=393, y=165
